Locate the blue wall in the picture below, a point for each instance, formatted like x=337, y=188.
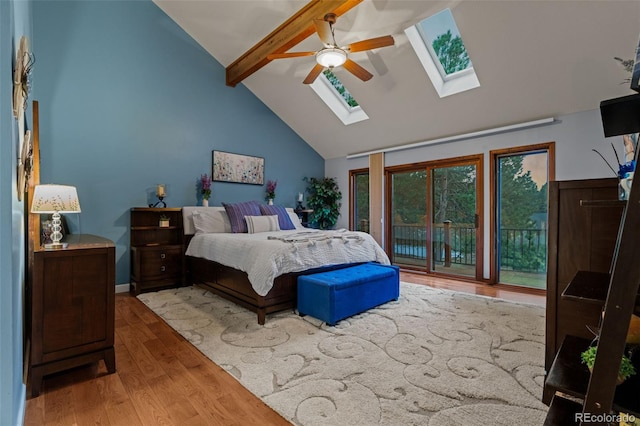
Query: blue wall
x=15, y=19
x=129, y=100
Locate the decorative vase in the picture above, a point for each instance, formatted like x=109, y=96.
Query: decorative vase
x=270, y=201
x=205, y=203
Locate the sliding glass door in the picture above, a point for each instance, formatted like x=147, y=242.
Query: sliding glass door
x=433, y=219
x=454, y=219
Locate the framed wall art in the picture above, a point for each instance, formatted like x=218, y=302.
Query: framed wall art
x=228, y=167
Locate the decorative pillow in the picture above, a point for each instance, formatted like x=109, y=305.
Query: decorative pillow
x=295, y=219
x=256, y=224
x=209, y=220
x=283, y=217
x=238, y=211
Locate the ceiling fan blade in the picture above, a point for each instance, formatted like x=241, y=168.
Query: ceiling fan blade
x=357, y=70
x=289, y=55
x=372, y=43
x=315, y=72
x=323, y=28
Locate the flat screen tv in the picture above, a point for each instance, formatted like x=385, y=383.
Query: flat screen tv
x=621, y=116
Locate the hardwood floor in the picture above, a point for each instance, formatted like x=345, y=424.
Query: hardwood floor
x=162, y=379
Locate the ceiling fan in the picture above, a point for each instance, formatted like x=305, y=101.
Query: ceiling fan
x=332, y=55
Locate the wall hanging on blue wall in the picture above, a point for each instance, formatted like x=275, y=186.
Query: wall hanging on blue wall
x=228, y=167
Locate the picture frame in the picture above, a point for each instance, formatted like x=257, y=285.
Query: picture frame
x=237, y=168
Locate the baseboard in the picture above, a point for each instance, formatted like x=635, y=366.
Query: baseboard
x=123, y=288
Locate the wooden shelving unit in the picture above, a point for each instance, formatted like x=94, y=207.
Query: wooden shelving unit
x=616, y=293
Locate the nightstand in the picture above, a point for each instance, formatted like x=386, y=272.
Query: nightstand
x=70, y=307
x=157, y=253
x=304, y=216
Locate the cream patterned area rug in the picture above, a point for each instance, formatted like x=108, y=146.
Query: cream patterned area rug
x=434, y=357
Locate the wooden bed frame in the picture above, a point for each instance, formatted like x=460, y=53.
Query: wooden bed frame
x=233, y=284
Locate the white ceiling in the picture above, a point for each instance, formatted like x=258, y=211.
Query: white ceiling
x=534, y=59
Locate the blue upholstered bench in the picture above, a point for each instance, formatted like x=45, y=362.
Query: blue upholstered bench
x=335, y=295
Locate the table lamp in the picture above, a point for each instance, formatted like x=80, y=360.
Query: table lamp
x=55, y=199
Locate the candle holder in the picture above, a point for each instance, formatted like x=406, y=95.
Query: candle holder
x=160, y=201
x=160, y=194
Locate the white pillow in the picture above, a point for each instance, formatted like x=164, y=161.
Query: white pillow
x=211, y=221
x=294, y=218
x=256, y=224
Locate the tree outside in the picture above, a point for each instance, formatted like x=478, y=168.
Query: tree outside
x=451, y=52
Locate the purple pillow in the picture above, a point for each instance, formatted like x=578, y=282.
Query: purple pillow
x=238, y=211
x=283, y=217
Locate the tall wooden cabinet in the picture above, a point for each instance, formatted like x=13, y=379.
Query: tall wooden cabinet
x=70, y=307
x=582, y=237
x=157, y=249
x=594, y=266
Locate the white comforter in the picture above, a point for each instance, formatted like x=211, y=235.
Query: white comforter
x=266, y=255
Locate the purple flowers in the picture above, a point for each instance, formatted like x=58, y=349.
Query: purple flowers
x=271, y=188
x=205, y=186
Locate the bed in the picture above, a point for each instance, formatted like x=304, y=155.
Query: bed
x=259, y=270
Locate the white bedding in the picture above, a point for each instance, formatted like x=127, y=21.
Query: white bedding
x=266, y=255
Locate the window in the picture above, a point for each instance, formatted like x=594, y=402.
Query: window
x=439, y=46
x=520, y=176
x=331, y=90
x=359, y=200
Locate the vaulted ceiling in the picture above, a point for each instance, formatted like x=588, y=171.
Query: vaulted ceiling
x=534, y=59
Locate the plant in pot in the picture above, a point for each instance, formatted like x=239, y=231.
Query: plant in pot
x=324, y=199
x=164, y=221
x=626, y=367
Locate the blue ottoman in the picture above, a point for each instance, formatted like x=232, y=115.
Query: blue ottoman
x=335, y=295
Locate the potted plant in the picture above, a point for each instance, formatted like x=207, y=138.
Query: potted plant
x=205, y=189
x=626, y=367
x=164, y=221
x=271, y=190
x=324, y=199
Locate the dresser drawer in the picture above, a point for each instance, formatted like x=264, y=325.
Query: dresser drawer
x=151, y=263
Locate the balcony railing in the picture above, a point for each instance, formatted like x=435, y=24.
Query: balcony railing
x=523, y=250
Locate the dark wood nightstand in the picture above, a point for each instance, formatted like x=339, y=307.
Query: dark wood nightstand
x=70, y=307
x=157, y=250
x=304, y=216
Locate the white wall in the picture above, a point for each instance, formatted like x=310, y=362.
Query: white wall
x=575, y=136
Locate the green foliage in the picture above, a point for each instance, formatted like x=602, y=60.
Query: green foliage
x=453, y=198
x=362, y=200
x=324, y=198
x=409, y=197
x=451, y=52
x=626, y=367
x=337, y=84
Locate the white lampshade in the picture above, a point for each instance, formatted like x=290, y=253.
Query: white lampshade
x=330, y=57
x=55, y=199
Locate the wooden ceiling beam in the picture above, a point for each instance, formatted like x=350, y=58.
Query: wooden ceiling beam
x=290, y=33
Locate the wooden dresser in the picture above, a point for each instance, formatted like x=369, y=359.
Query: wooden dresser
x=157, y=251
x=70, y=307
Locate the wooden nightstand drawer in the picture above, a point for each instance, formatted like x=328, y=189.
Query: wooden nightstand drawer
x=157, y=262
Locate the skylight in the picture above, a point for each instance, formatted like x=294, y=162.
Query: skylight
x=337, y=84
x=439, y=46
x=331, y=90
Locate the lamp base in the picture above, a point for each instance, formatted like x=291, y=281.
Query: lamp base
x=55, y=246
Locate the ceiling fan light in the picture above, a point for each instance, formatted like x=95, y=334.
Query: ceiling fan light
x=331, y=57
